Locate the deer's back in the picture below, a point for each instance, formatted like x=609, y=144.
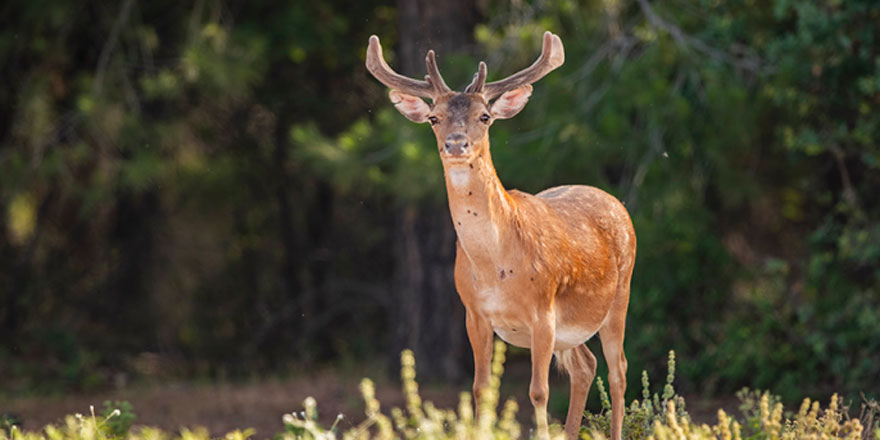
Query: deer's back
x=591, y=211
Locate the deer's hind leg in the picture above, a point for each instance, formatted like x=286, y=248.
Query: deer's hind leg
x=611, y=335
x=580, y=364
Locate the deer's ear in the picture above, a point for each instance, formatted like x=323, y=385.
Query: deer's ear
x=511, y=102
x=413, y=107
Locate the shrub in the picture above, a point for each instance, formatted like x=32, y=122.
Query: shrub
x=639, y=417
x=118, y=418
x=422, y=420
x=656, y=417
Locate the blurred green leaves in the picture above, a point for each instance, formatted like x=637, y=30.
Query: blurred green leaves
x=378, y=158
x=21, y=217
x=235, y=174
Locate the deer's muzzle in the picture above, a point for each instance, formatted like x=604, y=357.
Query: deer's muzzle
x=456, y=144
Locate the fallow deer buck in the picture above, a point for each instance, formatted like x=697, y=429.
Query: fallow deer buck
x=545, y=271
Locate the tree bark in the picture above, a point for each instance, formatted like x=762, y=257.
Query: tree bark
x=445, y=26
x=427, y=315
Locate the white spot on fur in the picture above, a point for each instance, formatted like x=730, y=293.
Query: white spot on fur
x=493, y=300
x=459, y=177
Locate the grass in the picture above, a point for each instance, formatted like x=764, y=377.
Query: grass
x=658, y=416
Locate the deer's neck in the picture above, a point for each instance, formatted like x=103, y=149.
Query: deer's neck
x=482, y=211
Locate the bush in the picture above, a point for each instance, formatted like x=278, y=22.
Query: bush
x=639, y=417
x=657, y=417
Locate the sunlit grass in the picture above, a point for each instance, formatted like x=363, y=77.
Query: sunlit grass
x=656, y=417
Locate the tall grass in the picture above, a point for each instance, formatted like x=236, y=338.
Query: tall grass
x=656, y=417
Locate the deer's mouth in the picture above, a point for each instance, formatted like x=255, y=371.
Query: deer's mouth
x=457, y=160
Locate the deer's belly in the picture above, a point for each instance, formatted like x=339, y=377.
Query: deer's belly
x=510, y=321
x=571, y=336
x=567, y=337
x=519, y=336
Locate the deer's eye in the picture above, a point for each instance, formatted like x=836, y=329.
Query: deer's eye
x=485, y=118
x=433, y=120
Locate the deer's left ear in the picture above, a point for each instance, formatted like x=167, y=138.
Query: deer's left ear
x=511, y=102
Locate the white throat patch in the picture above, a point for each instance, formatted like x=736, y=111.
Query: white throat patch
x=459, y=176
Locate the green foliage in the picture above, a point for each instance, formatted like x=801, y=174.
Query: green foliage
x=140, y=159
x=420, y=419
x=215, y=187
x=805, y=425
x=305, y=424
x=8, y=421
x=114, y=424
x=118, y=418
x=79, y=427
x=639, y=417
x=658, y=419
x=869, y=417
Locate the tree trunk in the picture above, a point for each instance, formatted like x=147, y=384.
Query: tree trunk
x=445, y=26
x=428, y=316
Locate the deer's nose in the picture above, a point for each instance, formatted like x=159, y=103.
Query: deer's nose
x=456, y=144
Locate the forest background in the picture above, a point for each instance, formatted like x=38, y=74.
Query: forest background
x=219, y=189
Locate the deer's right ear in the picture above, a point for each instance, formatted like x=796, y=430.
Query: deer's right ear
x=413, y=107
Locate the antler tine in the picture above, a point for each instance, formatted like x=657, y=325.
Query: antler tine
x=379, y=68
x=479, y=81
x=552, y=56
x=434, y=74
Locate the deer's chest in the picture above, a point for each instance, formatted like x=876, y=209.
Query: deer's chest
x=509, y=318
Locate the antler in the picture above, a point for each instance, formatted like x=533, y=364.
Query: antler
x=433, y=77
x=479, y=81
x=552, y=56
x=432, y=87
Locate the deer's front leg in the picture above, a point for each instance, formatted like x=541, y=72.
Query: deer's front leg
x=543, y=340
x=480, y=335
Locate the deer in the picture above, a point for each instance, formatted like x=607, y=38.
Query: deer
x=546, y=271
